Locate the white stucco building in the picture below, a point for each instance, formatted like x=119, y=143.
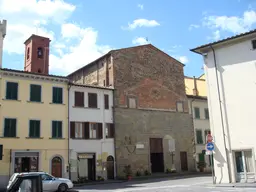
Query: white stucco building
x=230, y=68
x=198, y=108
x=2, y=35
x=91, y=135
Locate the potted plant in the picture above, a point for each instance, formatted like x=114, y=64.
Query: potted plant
x=128, y=172
x=201, y=166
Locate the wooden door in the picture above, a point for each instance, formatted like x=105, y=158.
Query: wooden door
x=156, y=155
x=183, y=161
x=110, y=167
x=57, y=167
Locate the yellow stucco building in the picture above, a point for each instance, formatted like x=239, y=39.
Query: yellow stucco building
x=34, y=123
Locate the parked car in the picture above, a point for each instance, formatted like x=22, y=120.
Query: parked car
x=50, y=183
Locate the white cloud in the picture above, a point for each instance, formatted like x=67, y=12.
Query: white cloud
x=231, y=24
x=216, y=35
x=141, y=23
x=174, y=48
x=81, y=54
x=182, y=59
x=141, y=6
x=193, y=26
x=72, y=48
x=140, y=41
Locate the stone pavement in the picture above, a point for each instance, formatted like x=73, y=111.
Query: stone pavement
x=190, y=184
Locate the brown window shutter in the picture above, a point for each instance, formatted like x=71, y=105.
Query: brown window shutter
x=72, y=129
x=111, y=130
x=86, y=130
x=92, y=100
x=99, y=131
x=106, y=100
x=79, y=99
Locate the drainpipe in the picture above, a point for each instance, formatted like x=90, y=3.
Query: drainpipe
x=69, y=164
x=222, y=119
x=113, y=114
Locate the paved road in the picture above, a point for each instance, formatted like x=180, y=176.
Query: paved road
x=196, y=184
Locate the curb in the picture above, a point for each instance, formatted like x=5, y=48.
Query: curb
x=141, y=178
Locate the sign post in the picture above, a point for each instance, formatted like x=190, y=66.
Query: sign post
x=210, y=148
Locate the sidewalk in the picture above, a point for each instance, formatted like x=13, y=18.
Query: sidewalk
x=236, y=185
x=149, y=177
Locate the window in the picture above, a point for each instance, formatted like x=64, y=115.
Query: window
x=34, y=128
x=206, y=113
x=11, y=91
x=46, y=177
x=179, y=106
x=254, y=44
x=10, y=127
x=56, y=129
x=197, y=112
x=201, y=157
x=35, y=93
x=28, y=53
x=92, y=100
x=57, y=95
x=206, y=132
x=106, y=100
x=131, y=102
x=79, y=99
x=110, y=131
x=79, y=130
x=95, y=131
x=199, y=137
x=40, y=52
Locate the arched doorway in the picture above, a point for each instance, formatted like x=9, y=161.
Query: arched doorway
x=57, y=167
x=110, y=167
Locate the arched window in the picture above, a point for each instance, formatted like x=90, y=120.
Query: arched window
x=39, y=52
x=28, y=53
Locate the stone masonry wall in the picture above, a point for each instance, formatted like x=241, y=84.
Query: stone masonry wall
x=140, y=125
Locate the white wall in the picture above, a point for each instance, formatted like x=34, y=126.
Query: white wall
x=85, y=114
x=237, y=82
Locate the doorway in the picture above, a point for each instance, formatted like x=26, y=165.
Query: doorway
x=92, y=168
x=110, y=167
x=184, y=161
x=244, y=166
x=57, y=167
x=156, y=155
x=25, y=161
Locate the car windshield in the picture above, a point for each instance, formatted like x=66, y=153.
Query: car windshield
x=47, y=177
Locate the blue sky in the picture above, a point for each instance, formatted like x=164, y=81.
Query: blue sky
x=82, y=30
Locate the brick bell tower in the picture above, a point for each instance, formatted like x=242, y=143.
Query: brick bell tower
x=37, y=50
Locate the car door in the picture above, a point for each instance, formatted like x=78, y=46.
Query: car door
x=48, y=182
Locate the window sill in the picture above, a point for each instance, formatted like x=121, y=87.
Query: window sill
x=34, y=137
x=11, y=100
x=57, y=103
x=39, y=102
x=85, y=107
x=84, y=139
x=9, y=137
x=109, y=137
x=57, y=138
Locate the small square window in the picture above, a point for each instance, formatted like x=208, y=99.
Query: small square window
x=132, y=102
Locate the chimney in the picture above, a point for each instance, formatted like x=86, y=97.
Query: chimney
x=195, y=91
x=3, y=25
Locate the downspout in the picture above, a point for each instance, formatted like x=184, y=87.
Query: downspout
x=195, y=93
x=113, y=113
x=221, y=114
x=69, y=164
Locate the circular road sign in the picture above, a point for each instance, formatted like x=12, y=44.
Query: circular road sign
x=210, y=146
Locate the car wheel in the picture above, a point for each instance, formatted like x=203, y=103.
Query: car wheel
x=63, y=188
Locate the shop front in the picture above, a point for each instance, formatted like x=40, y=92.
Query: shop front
x=26, y=161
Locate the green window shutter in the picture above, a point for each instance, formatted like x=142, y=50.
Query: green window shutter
x=60, y=129
x=54, y=129
x=206, y=113
x=9, y=127
x=199, y=138
x=35, y=93
x=11, y=90
x=34, y=128
x=201, y=157
x=57, y=95
x=197, y=112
